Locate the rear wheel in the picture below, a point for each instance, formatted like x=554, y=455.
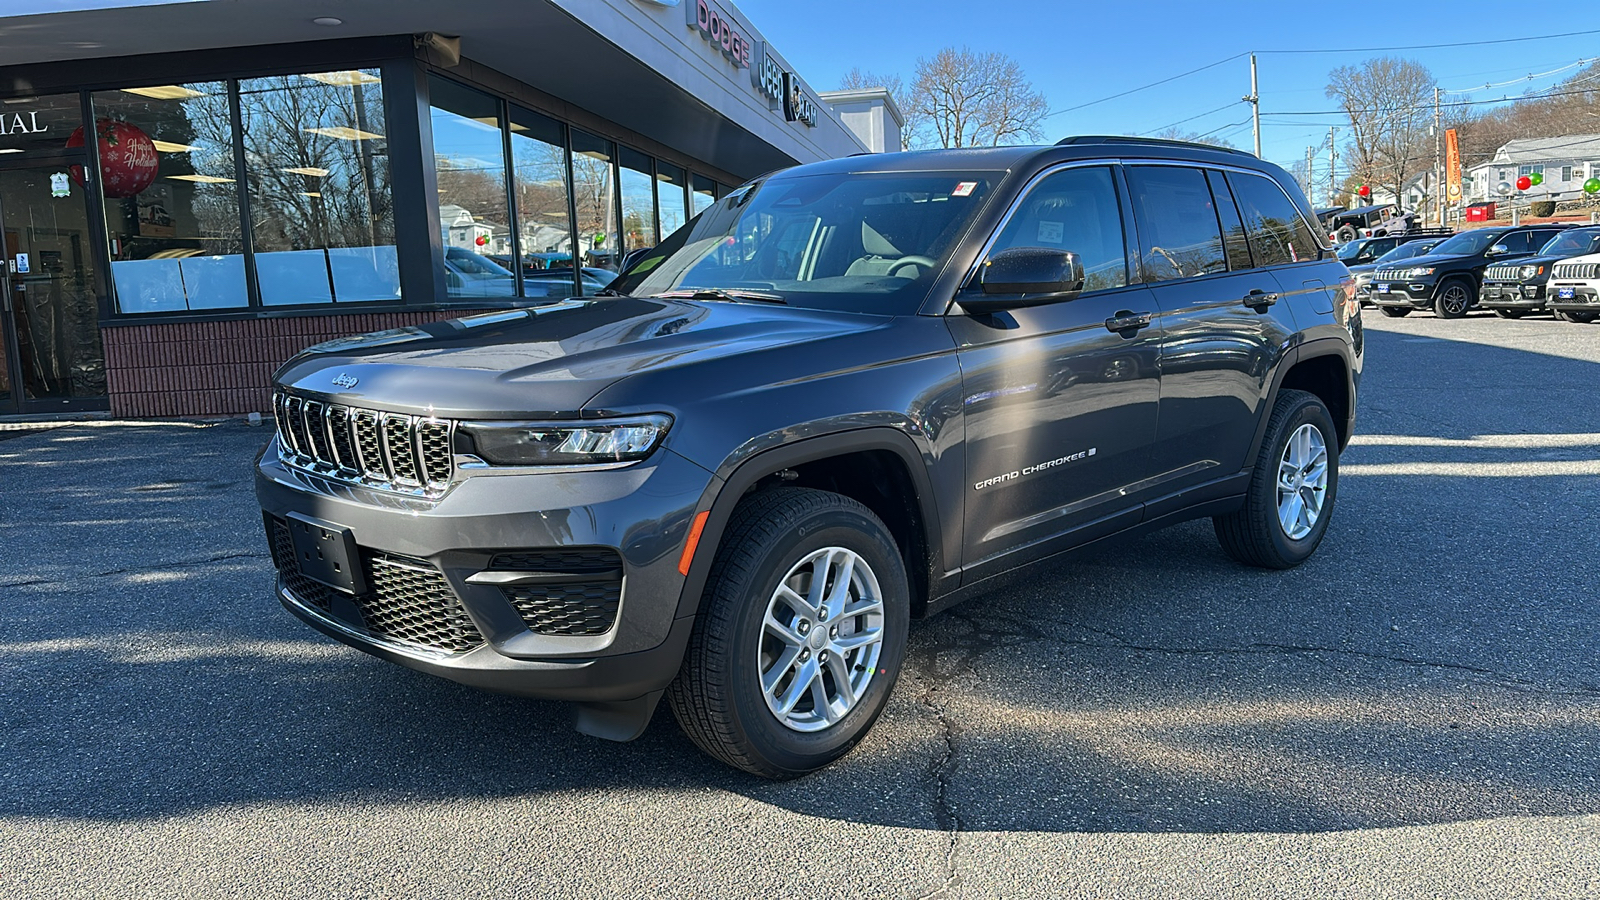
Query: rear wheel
x=1395, y=312
x=1453, y=299
x=1292, y=492
x=1510, y=313
x=801, y=634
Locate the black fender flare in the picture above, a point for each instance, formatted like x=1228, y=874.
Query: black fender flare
x=737, y=475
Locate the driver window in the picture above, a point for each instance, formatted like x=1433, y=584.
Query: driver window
x=1074, y=210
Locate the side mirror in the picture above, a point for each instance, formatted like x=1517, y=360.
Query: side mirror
x=1025, y=276
x=1498, y=250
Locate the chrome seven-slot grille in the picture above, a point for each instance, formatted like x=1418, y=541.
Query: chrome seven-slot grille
x=1577, y=270
x=1503, y=273
x=386, y=450
x=1388, y=275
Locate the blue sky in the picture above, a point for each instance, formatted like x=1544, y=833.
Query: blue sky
x=1077, y=52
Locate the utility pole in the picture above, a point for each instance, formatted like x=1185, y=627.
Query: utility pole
x=1438, y=160
x=1333, y=165
x=1255, y=103
x=1311, y=179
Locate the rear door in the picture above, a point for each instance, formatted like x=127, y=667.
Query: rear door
x=1060, y=410
x=1223, y=324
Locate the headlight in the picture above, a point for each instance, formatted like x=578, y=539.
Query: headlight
x=1416, y=272
x=568, y=443
x=1529, y=271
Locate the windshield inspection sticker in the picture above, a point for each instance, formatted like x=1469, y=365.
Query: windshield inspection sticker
x=1050, y=232
x=964, y=189
x=1035, y=469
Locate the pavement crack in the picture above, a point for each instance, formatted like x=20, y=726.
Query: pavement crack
x=940, y=770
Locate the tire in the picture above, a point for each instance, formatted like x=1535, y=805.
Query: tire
x=1577, y=316
x=775, y=538
x=1395, y=312
x=1256, y=535
x=1453, y=299
x=1510, y=313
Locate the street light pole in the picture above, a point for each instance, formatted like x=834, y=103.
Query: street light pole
x=1255, y=104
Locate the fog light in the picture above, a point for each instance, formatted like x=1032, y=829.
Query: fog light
x=1530, y=290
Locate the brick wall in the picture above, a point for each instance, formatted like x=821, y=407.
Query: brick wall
x=221, y=368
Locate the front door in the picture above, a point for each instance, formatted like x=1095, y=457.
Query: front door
x=50, y=354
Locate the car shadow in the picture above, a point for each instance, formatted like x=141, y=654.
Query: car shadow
x=1433, y=663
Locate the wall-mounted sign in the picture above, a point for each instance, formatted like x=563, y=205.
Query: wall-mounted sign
x=797, y=104
x=720, y=29
x=60, y=185
x=23, y=266
x=21, y=123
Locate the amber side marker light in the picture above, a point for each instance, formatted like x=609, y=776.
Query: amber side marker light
x=694, y=541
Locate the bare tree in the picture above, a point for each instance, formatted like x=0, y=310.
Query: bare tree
x=1389, y=103
x=973, y=99
x=1178, y=134
x=858, y=79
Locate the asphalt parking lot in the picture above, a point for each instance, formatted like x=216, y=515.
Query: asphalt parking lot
x=1413, y=713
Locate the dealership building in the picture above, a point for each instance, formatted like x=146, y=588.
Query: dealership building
x=192, y=191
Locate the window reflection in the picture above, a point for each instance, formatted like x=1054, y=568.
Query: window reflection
x=544, y=222
x=317, y=171
x=474, y=221
x=671, y=187
x=638, y=202
x=705, y=193
x=175, y=238
x=594, y=194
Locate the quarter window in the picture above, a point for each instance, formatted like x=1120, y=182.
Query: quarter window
x=1177, y=223
x=1233, y=234
x=1074, y=210
x=1277, y=230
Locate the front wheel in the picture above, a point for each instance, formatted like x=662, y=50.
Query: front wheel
x=1395, y=312
x=1292, y=492
x=1453, y=300
x=1577, y=316
x=1510, y=313
x=801, y=634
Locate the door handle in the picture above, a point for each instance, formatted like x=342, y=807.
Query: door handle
x=1127, y=323
x=1259, y=300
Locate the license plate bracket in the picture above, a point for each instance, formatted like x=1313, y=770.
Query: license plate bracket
x=1381, y=288
x=327, y=553
x=1565, y=293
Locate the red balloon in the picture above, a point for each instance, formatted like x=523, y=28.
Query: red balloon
x=1365, y=191
x=482, y=240
x=1524, y=183
x=128, y=160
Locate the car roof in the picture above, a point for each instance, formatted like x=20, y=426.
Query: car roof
x=1077, y=147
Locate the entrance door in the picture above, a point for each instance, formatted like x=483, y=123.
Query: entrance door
x=50, y=355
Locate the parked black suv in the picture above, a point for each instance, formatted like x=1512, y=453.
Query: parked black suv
x=1515, y=289
x=1447, y=279
x=847, y=394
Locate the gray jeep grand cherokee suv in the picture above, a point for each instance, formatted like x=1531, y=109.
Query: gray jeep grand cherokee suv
x=847, y=395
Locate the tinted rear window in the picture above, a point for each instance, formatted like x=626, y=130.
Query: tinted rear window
x=1177, y=223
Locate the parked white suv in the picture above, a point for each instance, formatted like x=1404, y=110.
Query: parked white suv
x=1575, y=289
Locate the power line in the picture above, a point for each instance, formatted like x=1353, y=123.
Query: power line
x=1474, y=90
x=1192, y=118
x=1147, y=86
x=1548, y=95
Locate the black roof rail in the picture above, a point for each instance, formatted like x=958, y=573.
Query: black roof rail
x=1131, y=139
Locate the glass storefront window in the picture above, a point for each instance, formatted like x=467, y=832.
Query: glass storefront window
x=544, y=222
x=670, y=191
x=171, y=197
x=594, y=188
x=638, y=201
x=705, y=193
x=317, y=171
x=39, y=126
x=474, y=216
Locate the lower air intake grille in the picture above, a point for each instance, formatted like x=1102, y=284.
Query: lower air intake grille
x=578, y=593
x=409, y=602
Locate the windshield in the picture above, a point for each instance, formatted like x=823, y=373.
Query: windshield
x=1406, y=251
x=1571, y=243
x=854, y=242
x=1351, y=250
x=1467, y=243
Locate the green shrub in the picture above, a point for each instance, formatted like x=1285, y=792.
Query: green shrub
x=1542, y=208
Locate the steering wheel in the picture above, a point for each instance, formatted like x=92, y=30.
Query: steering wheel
x=904, y=261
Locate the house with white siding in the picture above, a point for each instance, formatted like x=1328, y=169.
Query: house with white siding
x=1566, y=162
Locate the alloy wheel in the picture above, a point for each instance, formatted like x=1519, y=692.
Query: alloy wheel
x=1302, y=481
x=820, y=639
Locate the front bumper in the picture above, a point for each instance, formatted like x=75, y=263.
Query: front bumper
x=1413, y=295
x=1583, y=299
x=442, y=616
x=1511, y=295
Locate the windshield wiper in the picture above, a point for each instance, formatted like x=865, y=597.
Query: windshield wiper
x=720, y=294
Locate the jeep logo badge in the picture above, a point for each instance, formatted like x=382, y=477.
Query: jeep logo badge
x=345, y=380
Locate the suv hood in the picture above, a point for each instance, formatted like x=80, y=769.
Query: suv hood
x=549, y=359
